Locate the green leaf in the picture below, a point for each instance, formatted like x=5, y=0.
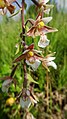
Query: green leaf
x=31, y=79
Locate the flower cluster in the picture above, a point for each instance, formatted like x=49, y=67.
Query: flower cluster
x=39, y=27
x=31, y=56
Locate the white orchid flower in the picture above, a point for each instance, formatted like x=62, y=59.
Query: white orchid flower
x=34, y=64
x=31, y=57
x=43, y=42
x=48, y=61
x=26, y=103
x=6, y=85
x=29, y=98
x=51, y=63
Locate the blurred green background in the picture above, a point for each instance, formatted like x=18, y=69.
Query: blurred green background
x=10, y=36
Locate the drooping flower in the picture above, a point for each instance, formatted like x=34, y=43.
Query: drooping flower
x=39, y=26
x=6, y=83
x=43, y=42
x=7, y=4
x=31, y=57
x=8, y=80
x=48, y=61
x=26, y=101
x=34, y=65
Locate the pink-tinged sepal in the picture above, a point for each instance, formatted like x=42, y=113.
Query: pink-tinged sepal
x=34, y=65
x=21, y=57
x=31, y=32
x=47, y=29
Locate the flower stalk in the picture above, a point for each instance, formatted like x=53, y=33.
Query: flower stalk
x=23, y=40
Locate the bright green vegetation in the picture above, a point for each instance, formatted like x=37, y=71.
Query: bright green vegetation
x=9, y=36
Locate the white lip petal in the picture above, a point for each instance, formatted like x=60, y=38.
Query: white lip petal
x=22, y=103
x=46, y=19
x=28, y=103
x=50, y=58
x=34, y=65
x=43, y=43
x=5, y=89
x=25, y=104
x=52, y=64
x=5, y=85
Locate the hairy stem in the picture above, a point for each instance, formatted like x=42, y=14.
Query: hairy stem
x=23, y=39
